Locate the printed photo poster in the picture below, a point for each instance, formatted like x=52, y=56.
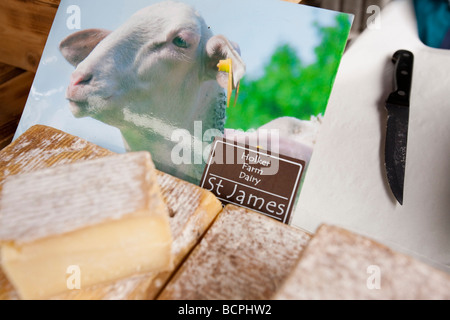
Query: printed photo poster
x=170, y=76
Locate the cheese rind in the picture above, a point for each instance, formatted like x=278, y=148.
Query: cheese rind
x=194, y=210
x=42, y=147
x=244, y=255
x=340, y=264
x=66, y=198
x=106, y=216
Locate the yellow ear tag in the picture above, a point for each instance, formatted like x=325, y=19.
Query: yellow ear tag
x=226, y=66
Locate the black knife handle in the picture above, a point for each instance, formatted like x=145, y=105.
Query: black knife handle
x=404, y=61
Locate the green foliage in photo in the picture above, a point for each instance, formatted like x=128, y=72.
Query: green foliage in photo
x=288, y=87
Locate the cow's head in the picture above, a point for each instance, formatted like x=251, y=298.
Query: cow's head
x=162, y=53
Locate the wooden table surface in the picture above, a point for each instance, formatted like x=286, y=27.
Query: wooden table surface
x=24, y=27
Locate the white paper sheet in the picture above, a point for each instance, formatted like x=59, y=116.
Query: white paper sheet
x=346, y=184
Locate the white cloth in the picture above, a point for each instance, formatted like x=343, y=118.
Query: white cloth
x=346, y=185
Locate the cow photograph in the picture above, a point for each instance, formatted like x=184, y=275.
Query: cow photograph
x=146, y=75
x=154, y=74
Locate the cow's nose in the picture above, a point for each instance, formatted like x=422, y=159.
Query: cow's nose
x=79, y=78
x=78, y=84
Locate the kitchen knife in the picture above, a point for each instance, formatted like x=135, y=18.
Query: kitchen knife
x=397, y=105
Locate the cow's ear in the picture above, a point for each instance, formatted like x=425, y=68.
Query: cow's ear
x=220, y=48
x=76, y=47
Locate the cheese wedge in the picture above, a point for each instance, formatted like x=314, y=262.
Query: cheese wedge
x=192, y=209
x=102, y=219
x=339, y=264
x=244, y=255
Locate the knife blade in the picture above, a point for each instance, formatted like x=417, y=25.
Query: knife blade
x=397, y=106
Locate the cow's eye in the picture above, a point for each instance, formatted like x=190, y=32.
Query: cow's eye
x=179, y=42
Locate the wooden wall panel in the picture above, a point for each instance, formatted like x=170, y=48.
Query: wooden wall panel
x=14, y=94
x=15, y=84
x=24, y=27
